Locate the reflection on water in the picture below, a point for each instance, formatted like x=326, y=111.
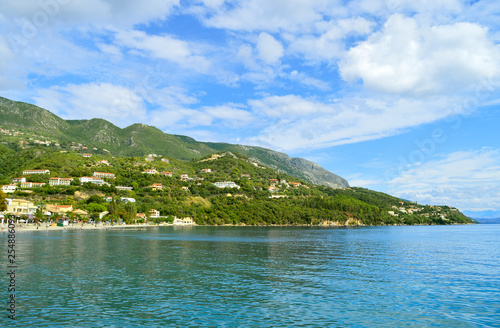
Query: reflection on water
x=266, y=277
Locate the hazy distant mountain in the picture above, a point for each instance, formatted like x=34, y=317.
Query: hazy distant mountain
x=485, y=217
x=483, y=214
x=141, y=139
x=488, y=221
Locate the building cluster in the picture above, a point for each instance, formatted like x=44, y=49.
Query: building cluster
x=97, y=178
x=275, y=185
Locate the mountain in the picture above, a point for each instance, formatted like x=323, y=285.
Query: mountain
x=488, y=214
x=488, y=221
x=141, y=139
x=228, y=188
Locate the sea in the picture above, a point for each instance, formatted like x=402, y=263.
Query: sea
x=397, y=276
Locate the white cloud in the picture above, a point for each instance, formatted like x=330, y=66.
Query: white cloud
x=329, y=44
x=163, y=47
x=117, y=104
x=407, y=58
x=270, y=16
x=468, y=180
x=270, y=50
x=119, y=13
x=297, y=123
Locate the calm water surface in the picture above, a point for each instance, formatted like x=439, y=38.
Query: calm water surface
x=439, y=276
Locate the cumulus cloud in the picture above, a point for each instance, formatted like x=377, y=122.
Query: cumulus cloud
x=405, y=57
x=469, y=180
x=270, y=50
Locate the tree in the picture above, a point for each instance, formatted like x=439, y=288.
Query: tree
x=38, y=215
x=130, y=212
x=3, y=201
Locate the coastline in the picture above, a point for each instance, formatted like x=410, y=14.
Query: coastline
x=44, y=227
x=33, y=227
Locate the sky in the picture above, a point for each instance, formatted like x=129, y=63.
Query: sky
x=397, y=96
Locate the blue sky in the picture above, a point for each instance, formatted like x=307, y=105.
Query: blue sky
x=394, y=95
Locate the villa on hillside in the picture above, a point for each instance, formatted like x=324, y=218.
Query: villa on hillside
x=9, y=189
x=87, y=155
x=156, y=186
x=60, y=181
x=167, y=173
x=19, y=180
x=103, y=162
x=93, y=180
x=226, y=184
x=25, y=172
x=206, y=171
x=104, y=175
x=152, y=171
x=30, y=185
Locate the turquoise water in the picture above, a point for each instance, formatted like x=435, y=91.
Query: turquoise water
x=439, y=276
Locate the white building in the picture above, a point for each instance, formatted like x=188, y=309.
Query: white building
x=32, y=184
x=19, y=180
x=93, y=180
x=9, y=189
x=127, y=200
x=60, y=181
x=20, y=207
x=104, y=175
x=226, y=184
x=183, y=221
x=154, y=213
x=25, y=172
x=124, y=188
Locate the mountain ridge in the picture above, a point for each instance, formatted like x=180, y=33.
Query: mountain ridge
x=140, y=139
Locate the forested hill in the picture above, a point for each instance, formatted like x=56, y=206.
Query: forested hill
x=98, y=135
x=220, y=188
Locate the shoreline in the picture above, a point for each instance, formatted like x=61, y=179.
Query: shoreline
x=33, y=227
x=44, y=227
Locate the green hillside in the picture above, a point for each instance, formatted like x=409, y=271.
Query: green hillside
x=259, y=195
x=140, y=139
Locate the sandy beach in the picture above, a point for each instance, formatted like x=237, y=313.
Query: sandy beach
x=79, y=226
